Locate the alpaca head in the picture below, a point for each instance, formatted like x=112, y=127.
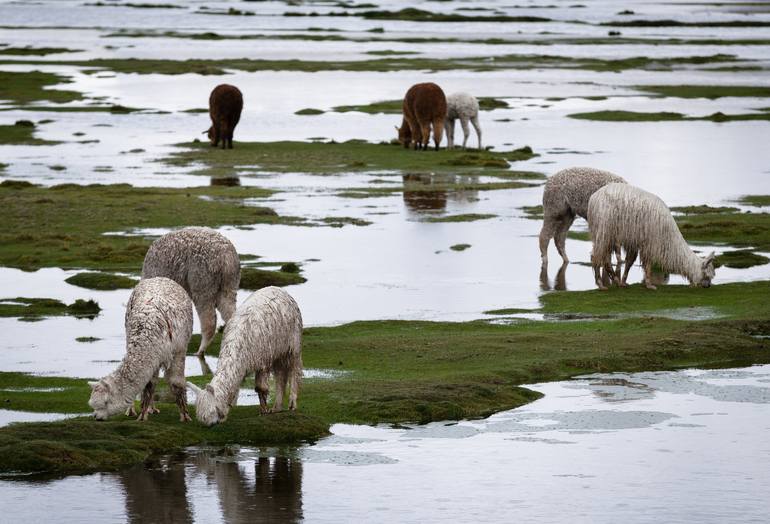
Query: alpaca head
x=105, y=399
x=404, y=134
x=208, y=409
x=707, y=271
x=211, y=134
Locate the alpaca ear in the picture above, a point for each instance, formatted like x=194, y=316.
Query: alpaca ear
x=195, y=389
x=205, y=132
x=397, y=128
x=709, y=259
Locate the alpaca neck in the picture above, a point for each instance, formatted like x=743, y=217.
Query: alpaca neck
x=228, y=379
x=131, y=377
x=692, y=267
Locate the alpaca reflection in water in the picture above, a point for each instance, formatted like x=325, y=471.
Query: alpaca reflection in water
x=425, y=194
x=559, y=283
x=162, y=492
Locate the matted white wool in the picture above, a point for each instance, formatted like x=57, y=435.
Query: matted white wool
x=465, y=107
x=206, y=265
x=158, y=328
x=640, y=222
x=263, y=336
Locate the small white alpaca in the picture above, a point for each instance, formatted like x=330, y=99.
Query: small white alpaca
x=158, y=328
x=206, y=265
x=264, y=335
x=641, y=223
x=466, y=108
x=565, y=196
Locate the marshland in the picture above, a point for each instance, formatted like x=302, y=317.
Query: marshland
x=448, y=374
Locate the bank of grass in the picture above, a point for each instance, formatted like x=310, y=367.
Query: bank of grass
x=390, y=64
x=66, y=226
x=32, y=86
x=35, y=51
x=706, y=91
x=253, y=278
x=466, y=217
x=740, y=259
x=396, y=106
x=22, y=133
x=413, y=371
x=664, y=116
x=334, y=157
x=36, y=308
x=101, y=281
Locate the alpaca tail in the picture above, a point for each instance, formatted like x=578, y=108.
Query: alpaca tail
x=438, y=131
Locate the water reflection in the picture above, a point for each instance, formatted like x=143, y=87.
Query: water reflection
x=229, y=181
x=157, y=491
x=418, y=195
x=559, y=284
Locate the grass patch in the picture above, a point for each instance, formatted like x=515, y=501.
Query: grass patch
x=508, y=311
x=253, y=278
x=459, y=247
x=755, y=200
x=64, y=226
x=703, y=209
x=396, y=106
x=309, y=111
x=35, y=51
x=740, y=259
x=533, y=212
x=705, y=91
x=21, y=133
x=345, y=221
x=634, y=116
x=23, y=88
x=28, y=308
x=678, y=23
x=333, y=157
x=87, y=340
x=101, y=281
x=466, y=217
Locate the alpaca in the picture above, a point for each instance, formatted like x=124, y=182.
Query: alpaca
x=264, y=335
x=565, y=196
x=225, y=106
x=466, y=108
x=206, y=265
x=424, y=105
x=158, y=327
x=640, y=222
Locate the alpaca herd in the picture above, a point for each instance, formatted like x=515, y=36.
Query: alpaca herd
x=199, y=266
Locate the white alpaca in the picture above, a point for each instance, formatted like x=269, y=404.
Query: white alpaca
x=466, y=108
x=158, y=328
x=641, y=223
x=264, y=335
x=206, y=265
x=565, y=196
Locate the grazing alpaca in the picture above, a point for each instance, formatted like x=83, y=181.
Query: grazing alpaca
x=264, y=335
x=206, y=265
x=225, y=106
x=424, y=105
x=641, y=223
x=466, y=108
x=566, y=196
x=158, y=328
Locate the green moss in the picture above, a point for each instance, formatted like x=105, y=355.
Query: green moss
x=333, y=157
x=466, y=217
x=459, y=247
x=706, y=91
x=23, y=88
x=64, y=226
x=309, y=111
x=101, y=281
x=741, y=259
x=35, y=51
x=254, y=278
x=21, y=134
x=46, y=307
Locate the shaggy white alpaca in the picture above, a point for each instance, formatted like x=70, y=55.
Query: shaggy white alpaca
x=565, y=196
x=158, y=328
x=206, y=265
x=641, y=223
x=264, y=335
x=466, y=108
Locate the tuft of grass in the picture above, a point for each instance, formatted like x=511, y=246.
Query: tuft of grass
x=21, y=133
x=27, y=308
x=309, y=111
x=703, y=209
x=679, y=23
x=466, y=217
x=755, y=200
x=634, y=116
x=508, y=311
x=459, y=247
x=344, y=221
x=706, y=91
x=533, y=212
x=87, y=340
x=32, y=86
x=35, y=51
x=101, y=281
x=254, y=278
x=741, y=259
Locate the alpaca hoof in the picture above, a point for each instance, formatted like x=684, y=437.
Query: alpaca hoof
x=622, y=284
x=142, y=417
x=184, y=417
x=650, y=286
x=131, y=412
x=154, y=410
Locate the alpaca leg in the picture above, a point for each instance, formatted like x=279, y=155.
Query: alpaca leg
x=466, y=131
x=560, y=283
x=147, y=399
x=281, y=378
x=425, y=134
x=176, y=381
x=477, y=127
x=226, y=304
x=263, y=389
x=208, y=317
x=131, y=411
x=648, y=276
x=294, y=382
x=597, y=266
x=560, y=239
x=630, y=259
x=438, y=132
x=450, y=133
x=547, y=232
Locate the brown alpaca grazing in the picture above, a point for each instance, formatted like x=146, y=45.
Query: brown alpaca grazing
x=424, y=104
x=225, y=105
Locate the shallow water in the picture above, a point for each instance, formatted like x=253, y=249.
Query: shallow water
x=618, y=447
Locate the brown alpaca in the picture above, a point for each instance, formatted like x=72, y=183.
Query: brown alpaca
x=225, y=105
x=424, y=104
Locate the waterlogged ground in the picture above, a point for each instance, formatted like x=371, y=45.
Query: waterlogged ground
x=637, y=447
